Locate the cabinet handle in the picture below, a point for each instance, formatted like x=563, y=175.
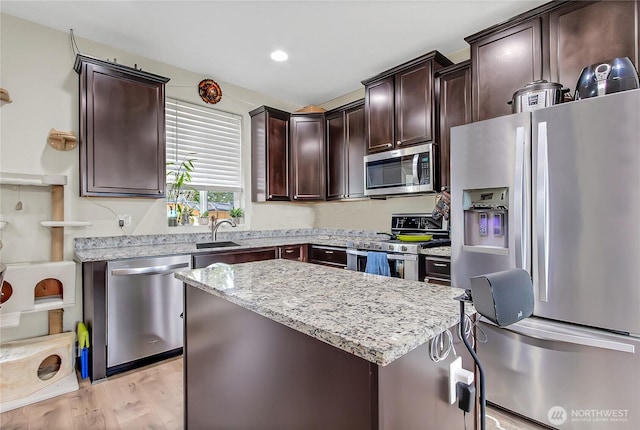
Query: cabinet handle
x=288, y=251
x=295, y=197
x=389, y=145
x=328, y=252
x=439, y=264
x=398, y=143
x=270, y=196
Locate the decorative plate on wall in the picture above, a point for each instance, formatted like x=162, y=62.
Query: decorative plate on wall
x=210, y=91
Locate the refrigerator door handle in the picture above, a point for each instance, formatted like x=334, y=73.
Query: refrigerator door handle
x=549, y=334
x=542, y=213
x=520, y=201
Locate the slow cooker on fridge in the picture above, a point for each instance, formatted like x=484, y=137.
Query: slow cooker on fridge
x=537, y=95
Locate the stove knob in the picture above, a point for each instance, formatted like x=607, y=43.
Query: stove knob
x=404, y=248
x=378, y=246
x=390, y=247
x=365, y=245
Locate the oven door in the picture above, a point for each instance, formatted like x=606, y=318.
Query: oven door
x=403, y=266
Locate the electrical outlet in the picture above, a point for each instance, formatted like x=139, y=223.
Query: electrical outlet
x=126, y=218
x=457, y=374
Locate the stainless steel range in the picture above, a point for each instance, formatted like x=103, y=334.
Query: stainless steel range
x=404, y=257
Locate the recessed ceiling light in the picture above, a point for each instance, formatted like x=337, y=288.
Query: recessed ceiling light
x=279, y=56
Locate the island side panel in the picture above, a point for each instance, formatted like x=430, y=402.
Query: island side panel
x=245, y=371
x=94, y=306
x=414, y=391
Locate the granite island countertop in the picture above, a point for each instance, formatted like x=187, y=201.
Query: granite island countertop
x=121, y=247
x=376, y=318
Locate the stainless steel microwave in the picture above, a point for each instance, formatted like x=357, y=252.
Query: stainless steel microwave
x=401, y=171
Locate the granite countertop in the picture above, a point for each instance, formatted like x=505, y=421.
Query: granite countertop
x=120, y=247
x=377, y=318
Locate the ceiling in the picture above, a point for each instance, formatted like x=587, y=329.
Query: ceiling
x=332, y=45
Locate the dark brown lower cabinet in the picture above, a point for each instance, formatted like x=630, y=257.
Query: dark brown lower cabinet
x=328, y=256
x=293, y=252
x=243, y=256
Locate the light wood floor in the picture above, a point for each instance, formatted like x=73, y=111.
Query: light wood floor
x=146, y=398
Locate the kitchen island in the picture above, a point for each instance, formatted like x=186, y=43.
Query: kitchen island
x=288, y=345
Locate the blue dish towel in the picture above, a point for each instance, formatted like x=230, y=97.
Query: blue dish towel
x=377, y=263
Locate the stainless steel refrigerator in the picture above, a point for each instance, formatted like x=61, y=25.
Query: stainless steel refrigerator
x=556, y=191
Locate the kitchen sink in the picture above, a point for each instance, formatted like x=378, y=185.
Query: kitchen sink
x=216, y=244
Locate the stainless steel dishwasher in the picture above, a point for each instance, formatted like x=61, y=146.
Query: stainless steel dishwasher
x=144, y=307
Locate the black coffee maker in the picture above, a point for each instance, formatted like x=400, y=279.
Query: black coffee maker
x=608, y=77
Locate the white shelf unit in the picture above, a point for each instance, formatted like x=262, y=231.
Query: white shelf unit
x=40, y=181
x=34, y=180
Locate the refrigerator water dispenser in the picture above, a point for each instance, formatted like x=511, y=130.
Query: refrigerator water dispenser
x=485, y=219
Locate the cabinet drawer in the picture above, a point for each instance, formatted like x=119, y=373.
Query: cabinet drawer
x=244, y=256
x=437, y=268
x=294, y=252
x=328, y=255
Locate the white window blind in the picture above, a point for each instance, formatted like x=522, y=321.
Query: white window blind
x=210, y=137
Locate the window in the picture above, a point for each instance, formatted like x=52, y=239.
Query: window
x=203, y=160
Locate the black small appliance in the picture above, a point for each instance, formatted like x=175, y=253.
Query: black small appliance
x=607, y=77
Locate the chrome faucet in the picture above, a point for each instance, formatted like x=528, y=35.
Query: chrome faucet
x=216, y=225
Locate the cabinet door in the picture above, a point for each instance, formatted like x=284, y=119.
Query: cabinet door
x=277, y=157
x=245, y=256
x=413, y=105
x=122, y=131
x=336, y=156
x=502, y=63
x=308, y=159
x=379, y=116
x=354, y=128
x=584, y=33
x=454, y=85
x=269, y=154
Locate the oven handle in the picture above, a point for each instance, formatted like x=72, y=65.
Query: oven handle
x=403, y=257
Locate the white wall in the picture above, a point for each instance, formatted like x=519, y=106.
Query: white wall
x=37, y=70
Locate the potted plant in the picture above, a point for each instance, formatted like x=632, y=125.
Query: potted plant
x=204, y=218
x=236, y=215
x=177, y=179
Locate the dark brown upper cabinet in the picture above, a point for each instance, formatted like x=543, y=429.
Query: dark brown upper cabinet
x=345, y=151
x=453, y=93
x=307, y=156
x=553, y=42
x=399, y=104
x=122, y=130
x=502, y=62
x=584, y=33
x=269, y=155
